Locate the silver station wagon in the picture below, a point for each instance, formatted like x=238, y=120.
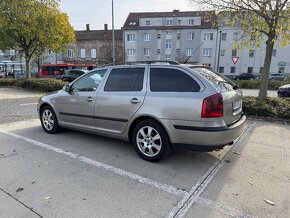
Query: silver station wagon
x=157, y=107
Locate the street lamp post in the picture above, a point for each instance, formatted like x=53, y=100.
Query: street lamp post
x=113, y=34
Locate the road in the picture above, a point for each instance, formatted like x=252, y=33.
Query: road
x=74, y=174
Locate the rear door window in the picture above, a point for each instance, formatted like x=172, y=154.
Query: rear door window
x=171, y=80
x=125, y=79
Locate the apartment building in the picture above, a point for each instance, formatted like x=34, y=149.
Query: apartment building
x=250, y=59
x=183, y=36
x=90, y=47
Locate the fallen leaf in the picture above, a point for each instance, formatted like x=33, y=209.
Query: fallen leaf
x=47, y=198
x=237, y=153
x=19, y=189
x=1, y=154
x=14, y=150
x=33, y=182
x=228, y=161
x=250, y=183
x=269, y=202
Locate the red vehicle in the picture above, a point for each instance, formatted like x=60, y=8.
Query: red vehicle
x=57, y=70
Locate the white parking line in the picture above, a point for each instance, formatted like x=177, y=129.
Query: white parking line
x=164, y=187
x=182, y=208
x=26, y=104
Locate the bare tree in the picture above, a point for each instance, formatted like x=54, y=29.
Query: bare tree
x=106, y=50
x=260, y=20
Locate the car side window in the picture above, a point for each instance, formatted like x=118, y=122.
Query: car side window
x=125, y=79
x=90, y=82
x=171, y=80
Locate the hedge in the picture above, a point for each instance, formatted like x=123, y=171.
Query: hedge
x=41, y=85
x=255, y=84
x=277, y=108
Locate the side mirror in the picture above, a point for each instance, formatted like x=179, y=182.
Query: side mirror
x=67, y=88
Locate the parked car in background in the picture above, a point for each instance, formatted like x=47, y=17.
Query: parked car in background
x=284, y=91
x=157, y=107
x=244, y=76
x=278, y=76
x=71, y=75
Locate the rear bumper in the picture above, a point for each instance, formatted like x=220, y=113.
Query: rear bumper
x=206, y=138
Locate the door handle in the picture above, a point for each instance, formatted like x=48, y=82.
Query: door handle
x=135, y=101
x=90, y=99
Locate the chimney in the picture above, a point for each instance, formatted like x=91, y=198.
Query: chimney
x=176, y=11
x=106, y=26
x=88, y=27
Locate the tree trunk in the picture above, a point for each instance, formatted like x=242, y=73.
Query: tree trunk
x=266, y=69
x=27, y=63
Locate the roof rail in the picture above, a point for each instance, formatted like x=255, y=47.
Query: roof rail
x=152, y=62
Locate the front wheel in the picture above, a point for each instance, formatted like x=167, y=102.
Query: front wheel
x=151, y=141
x=49, y=120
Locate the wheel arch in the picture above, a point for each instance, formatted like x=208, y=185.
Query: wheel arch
x=142, y=118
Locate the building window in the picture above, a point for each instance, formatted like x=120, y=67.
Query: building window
x=206, y=52
x=224, y=36
x=233, y=69
x=261, y=70
x=83, y=53
x=131, y=52
x=93, y=53
x=158, y=51
x=189, y=52
x=131, y=37
x=70, y=53
x=222, y=52
x=251, y=53
x=159, y=36
x=179, y=22
x=147, y=52
x=250, y=69
x=221, y=69
x=168, y=44
x=168, y=32
x=190, y=36
x=178, y=35
x=148, y=23
x=12, y=52
x=236, y=35
x=208, y=36
x=168, y=57
x=147, y=37
x=191, y=23
x=169, y=22
x=274, y=53
x=234, y=52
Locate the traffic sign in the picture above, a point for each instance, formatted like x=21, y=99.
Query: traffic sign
x=235, y=59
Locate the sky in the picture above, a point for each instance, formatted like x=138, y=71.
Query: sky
x=98, y=12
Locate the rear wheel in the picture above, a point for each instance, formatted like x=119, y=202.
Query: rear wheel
x=49, y=120
x=151, y=141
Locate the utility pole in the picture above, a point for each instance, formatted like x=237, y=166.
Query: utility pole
x=113, y=35
x=219, y=51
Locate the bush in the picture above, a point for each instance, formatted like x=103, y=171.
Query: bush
x=273, y=107
x=255, y=84
x=42, y=85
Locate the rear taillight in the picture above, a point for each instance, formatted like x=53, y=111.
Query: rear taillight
x=212, y=106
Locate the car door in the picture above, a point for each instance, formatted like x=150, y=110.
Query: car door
x=121, y=97
x=76, y=107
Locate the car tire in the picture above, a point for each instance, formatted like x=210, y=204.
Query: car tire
x=49, y=120
x=151, y=140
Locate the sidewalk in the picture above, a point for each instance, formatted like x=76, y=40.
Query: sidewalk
x=16, y=93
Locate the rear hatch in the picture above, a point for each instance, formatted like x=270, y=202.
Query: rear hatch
x=232, y=94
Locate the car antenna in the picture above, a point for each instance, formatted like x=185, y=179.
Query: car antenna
x=193, y=53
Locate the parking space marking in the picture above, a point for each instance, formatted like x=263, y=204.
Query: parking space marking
x=232, y=212
x=26, y=104
x=189, y=199
x=164, y=187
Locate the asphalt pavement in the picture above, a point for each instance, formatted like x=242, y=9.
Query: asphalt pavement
x=73, y=174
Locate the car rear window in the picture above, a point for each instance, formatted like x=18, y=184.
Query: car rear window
x=125, y=79
x=219, y=81
x=171, y=80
